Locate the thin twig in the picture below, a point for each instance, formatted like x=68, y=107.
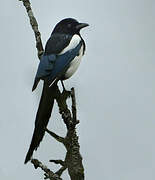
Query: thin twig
x=62, y=163
x=48, y=173
x=58, y=138
x=61, y=170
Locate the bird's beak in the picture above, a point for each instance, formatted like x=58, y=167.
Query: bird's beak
x=81, y=25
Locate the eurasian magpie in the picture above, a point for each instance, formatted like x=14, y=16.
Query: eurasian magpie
x=63, y=52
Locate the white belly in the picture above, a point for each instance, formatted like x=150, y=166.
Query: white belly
x=74, y=64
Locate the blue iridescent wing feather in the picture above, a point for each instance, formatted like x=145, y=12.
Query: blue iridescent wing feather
x=52, y=67
x=62, y=63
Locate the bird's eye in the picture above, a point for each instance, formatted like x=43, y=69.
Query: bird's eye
x=69, y=25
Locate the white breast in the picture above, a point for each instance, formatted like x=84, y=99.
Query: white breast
x=73, y=43
x=74, y=64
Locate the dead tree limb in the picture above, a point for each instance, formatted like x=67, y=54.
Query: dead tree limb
x=34, y=26
x=73, y=159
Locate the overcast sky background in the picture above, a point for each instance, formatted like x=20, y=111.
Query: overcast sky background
x=115, y=88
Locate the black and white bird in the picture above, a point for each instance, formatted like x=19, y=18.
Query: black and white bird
x=63, y=52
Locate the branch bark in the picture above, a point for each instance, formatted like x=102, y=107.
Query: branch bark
x=34, y=26
x=73, y=158
x=48, y=173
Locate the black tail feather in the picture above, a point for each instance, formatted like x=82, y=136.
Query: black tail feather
x=36, y=81
x=42, y=119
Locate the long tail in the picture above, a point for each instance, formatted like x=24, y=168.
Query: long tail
x=42, y=118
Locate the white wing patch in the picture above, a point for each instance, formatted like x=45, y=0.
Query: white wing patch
x=74, y=64
x=73, y=43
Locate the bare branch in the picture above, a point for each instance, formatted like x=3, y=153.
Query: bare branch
x=61, y=170
x=34, y=26
x=63, y=108
x=73, y=159
x=62, y=163
x=55, y=136
x=48, y=173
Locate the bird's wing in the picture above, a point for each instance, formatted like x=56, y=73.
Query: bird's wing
x=44, y=69
x=52, y=66
x=62, y=63
x=55, y=44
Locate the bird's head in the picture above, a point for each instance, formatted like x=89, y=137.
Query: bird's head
x=69, y=26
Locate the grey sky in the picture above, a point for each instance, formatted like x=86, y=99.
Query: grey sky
x=115, y=88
